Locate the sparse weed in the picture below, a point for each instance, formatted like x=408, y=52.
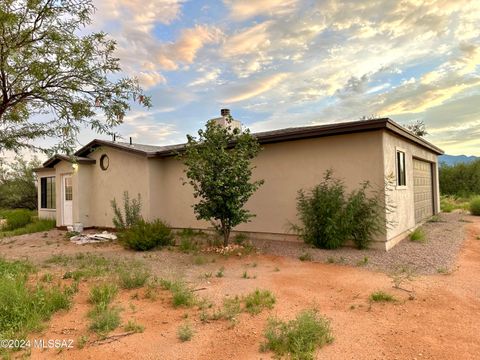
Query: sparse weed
x=418, y=235
x=299, y=338
x=363, y=262
x=220, y=272
x=185, y=332
x=104, y=319
x=258, y=300
x=381, y=296
x=103, y=294
x=133, y=277
x=305, y=256
x=132, y=326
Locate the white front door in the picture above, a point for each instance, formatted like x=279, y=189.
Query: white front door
x=67, y=200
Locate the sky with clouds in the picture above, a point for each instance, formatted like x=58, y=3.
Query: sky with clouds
x=279, y=64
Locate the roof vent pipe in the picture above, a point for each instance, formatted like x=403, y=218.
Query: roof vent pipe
x=114, y=137
x=130, y=140
x=225, y=112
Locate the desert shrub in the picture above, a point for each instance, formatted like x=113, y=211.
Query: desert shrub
x=365, y=216
x=143, y=235
x=322, y=213
x=475, y=206
x=297, y=338
x=330, y=216
x=131, y=212
x=185, y=332
x=16, y=219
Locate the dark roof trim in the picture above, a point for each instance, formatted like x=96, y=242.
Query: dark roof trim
x=50, y=163
x=267, y=137
x=87, y=149
x=308, y=132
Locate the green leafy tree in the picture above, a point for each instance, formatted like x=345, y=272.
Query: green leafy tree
x=54, y=80
x=418, y=128
x=218, y=166
x=17, y=184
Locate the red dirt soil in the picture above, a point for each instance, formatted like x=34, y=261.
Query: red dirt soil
x=441, y=322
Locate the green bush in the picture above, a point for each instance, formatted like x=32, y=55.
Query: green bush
x=322, y=213
x=297, y=338
x=330, y=217
x=16, y=219
x=475, y=206
x=145, y=235
x=364, y=215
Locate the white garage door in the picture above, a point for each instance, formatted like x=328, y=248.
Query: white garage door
x=422, y=189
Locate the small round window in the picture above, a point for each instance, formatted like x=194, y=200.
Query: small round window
x=104, y=162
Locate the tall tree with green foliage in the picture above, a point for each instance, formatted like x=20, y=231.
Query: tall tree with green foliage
x=54, y=80
x=218, y=167
x=17, y=184
x=418, y=128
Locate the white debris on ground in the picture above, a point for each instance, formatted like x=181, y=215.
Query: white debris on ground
x=93, y=238
x=226, y=250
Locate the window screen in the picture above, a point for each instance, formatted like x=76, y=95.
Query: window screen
x=401, y=173
x=47, y=195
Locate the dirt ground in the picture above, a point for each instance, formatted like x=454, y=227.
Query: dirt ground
x=440, y=319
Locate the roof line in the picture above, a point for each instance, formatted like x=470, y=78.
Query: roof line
x=266, y=137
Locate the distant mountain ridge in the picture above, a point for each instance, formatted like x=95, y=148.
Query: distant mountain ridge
x=456, y=159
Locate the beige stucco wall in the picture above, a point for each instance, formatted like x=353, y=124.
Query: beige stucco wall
x=286, y=167
x=126, y=172
x=403, y=217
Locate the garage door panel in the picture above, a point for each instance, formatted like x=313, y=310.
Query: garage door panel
x=422, y=189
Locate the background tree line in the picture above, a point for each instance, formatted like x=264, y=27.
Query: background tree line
x=461, y=180
x=18, y=184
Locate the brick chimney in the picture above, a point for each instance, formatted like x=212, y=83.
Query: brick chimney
x=225, y=112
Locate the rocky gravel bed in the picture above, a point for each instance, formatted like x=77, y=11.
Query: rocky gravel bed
x=437, y=254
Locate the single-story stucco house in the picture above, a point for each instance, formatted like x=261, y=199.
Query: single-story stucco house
x=80, y=188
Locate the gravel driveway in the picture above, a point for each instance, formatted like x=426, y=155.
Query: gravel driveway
x=437, y=255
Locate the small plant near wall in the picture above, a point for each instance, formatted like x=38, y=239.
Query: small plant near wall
x=130, y=214
x=329, y=216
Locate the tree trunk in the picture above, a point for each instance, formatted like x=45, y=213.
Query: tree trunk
x=225, y=232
